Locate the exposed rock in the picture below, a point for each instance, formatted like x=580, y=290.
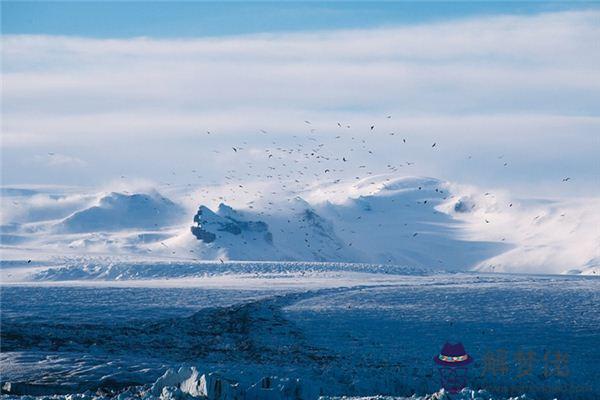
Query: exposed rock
x=201, y=234
x=226, y=220
x=464, y=205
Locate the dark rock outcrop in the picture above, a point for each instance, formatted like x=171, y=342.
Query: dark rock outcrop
x=226, y=220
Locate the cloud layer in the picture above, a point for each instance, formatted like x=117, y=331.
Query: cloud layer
x=503, y=84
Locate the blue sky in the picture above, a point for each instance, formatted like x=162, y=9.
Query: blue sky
x=192, y=19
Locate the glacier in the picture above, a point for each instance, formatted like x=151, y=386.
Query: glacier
x=337, y=334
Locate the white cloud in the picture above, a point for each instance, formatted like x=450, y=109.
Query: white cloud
x=59, y=160
x=503, y=83
x=506, y=64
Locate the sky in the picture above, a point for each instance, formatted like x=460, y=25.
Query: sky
x=162, y=91
x=118, y=19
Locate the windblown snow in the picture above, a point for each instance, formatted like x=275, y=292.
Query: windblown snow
x=387, y=219
x=117, y=211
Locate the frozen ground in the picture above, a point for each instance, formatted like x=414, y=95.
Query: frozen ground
x=341, y=330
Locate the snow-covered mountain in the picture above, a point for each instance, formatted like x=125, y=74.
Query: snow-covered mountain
x=299, y=234
x=386, y=219
x=118, y=211
x=391, y=221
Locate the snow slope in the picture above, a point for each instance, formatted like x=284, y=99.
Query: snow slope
x=546, y=236
x=384, y=219
x=391, y=220
x=117, y=211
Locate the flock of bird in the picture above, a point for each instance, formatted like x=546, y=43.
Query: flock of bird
x=295, y=167
x=312, y=158
x=286, y=166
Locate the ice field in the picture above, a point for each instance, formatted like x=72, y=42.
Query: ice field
x=325, y=330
